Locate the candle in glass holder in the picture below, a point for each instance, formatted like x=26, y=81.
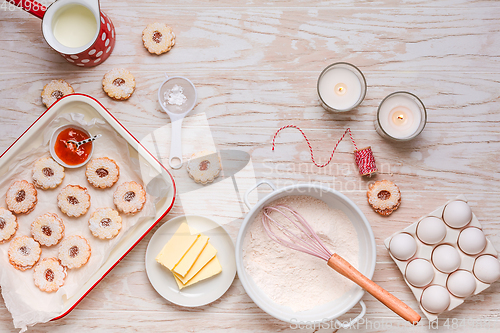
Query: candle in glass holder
x=341, y=87
x=401, y=116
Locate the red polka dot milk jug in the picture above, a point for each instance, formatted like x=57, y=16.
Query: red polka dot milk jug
x=77, y=29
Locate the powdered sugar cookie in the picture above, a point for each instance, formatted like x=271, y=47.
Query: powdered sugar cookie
x=102, y=172
x=118, y=83
x=158, y=38
x=8, y=225
x=47, y=173
x=49, y=275
x=24, y=252
x=105, y=223
x=129, y=197
x=203, y=167
x=21, y=197
x=74, y=252
x=74, y=200
x=55, y=90
x=384, y=197
x=47, y=229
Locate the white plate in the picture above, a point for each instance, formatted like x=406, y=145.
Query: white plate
x=205, y=291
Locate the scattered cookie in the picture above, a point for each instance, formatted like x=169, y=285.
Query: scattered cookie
x=384, y=197
x=203, y=167
x=74, y=252
x=73, y=200
x=105, y=223
x=47, y=229
x=55, y=90
x=49, y=275
x=47, y=173
x=24, y=252
x=119, y=84
x=129, y=197
x=158, y=38
x=8, y=225
x=102, y=172
x=21, y=197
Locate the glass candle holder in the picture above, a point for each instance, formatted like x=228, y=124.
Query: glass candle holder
x=401, y=116
x=341, y=87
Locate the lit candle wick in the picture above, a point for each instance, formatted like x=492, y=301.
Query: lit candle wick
x=340, y=88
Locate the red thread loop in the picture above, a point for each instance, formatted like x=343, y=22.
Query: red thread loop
x=363, y=157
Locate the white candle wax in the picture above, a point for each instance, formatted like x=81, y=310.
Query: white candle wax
x=399, y=116
x=339, y=88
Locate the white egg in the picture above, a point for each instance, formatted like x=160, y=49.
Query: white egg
x=472, y=240
x=446, y=258
x=403, y=246
x=461, y=283
x=487, y=268
x=431, y=230
x=457, y=214
x=435, y=299
x=419, y=272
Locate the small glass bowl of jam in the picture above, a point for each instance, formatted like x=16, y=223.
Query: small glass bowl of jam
x=66, y=153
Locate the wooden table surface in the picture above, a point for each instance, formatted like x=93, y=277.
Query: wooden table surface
x=255, y=65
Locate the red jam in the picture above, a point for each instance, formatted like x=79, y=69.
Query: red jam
x=67, y=152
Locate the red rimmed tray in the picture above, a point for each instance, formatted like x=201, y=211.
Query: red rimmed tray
x=91, y=108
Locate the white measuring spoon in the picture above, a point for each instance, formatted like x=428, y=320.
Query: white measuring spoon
x=177, y=97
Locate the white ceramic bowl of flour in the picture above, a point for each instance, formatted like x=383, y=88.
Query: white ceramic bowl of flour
x=366, y=257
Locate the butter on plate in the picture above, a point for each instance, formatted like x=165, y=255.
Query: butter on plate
x=212, y=268
x=177, y=247
x=188, y=260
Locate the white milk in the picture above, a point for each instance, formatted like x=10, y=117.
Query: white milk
x=74, y=26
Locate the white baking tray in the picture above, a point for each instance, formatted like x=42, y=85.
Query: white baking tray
x=91, y=108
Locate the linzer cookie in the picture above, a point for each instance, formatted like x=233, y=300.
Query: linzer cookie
x=47, y=229
x=384, y=197
x=129, y=197
x=119, y=84
x=8, y=225
x=102, y=172
x=74, y=252
x=21, y=197
x=73, y=200
x=204, y=167
x=55, y=90
x=49, y=275
x=158, y=38
x=47, y=173
x=24, y=252
x=105, y=223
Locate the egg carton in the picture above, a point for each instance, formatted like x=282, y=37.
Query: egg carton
x=425, y=251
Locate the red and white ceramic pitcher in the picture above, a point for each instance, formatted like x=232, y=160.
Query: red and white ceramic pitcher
x=77, y=29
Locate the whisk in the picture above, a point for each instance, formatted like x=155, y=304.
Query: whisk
x=305, y=240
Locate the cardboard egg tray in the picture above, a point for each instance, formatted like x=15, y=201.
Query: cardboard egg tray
x=424, y=251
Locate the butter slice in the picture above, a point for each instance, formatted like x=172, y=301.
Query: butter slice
x=191, y=255
x=176, y=247
x=212, y=268
x=206, y=255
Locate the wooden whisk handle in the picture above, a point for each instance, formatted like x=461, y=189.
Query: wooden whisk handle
x=392, y=302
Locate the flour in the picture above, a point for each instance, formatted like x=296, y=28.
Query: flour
x=174, y=96
x=293, y=278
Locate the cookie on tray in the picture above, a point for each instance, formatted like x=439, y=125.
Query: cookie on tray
x=47, y=173
x=47, y=229
x=105, y=223
x=102, y=172
x=203, y=167
x=384, y=197
x=158, y=38
x=119, y=84
x=129, y=197
x=49, y=275
x=8, y=225
x=24, y=252
x=73, y=200
x=55, y=90
x=21, y=197
x=74, y=252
